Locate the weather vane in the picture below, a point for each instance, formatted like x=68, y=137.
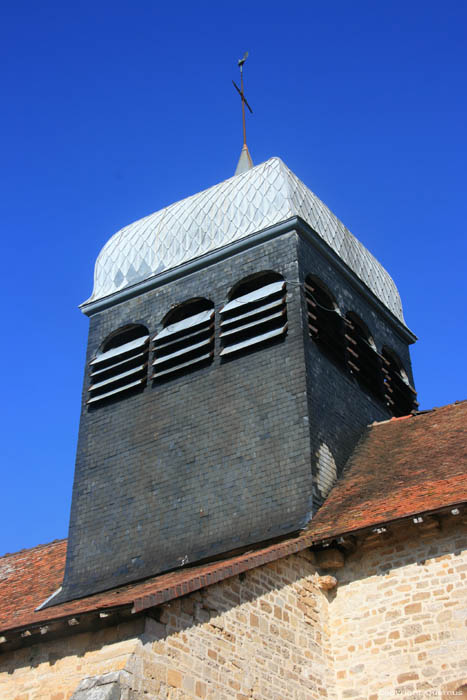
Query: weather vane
x=242, y=95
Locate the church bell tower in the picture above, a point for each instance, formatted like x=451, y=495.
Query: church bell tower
x=240, y=342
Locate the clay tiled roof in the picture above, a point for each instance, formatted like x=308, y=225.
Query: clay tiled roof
x=30, y=576
x=27, y=578
x=400, y=468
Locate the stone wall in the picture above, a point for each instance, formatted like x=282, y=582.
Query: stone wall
x=395, y=625
x=398, y=617
x=261, y=635
x=54, y=670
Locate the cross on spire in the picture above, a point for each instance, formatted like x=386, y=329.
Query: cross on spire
x=245, y=162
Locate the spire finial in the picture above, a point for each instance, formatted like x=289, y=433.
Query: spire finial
x=245, y=162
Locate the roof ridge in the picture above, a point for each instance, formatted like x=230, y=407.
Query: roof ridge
x=285, y=173
x=37, y=546
x=417, y=414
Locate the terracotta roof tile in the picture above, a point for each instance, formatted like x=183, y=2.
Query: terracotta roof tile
x=400, y=468
x=29, y=577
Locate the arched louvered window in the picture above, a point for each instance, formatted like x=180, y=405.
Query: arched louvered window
x=325, y=323
x=186, y=340
x=121, y=364
x=255, y=314
x=399, y=395
x=362, y=357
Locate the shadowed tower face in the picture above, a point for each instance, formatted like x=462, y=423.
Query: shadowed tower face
x=240, y=341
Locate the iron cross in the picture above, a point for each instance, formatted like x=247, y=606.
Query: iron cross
x=241, y=93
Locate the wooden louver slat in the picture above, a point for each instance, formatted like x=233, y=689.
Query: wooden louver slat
x=265, y=313
x=360, y=352
x=325, y=325
x=120, y=369
x=401, y=395
x=183, y=345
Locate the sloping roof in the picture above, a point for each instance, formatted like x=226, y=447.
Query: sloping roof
x=266, y=195
x=400, y=468
x=29, y=577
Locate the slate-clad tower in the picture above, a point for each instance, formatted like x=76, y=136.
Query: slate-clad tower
x=240, y=341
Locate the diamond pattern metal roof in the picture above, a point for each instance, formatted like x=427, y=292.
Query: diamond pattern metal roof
x=265, y=195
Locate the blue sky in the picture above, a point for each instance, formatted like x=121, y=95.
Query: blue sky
x=112, y=110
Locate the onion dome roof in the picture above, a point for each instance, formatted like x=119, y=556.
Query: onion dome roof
x=245, y=204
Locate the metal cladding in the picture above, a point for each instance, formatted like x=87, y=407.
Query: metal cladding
x=245, y=204
x=244, y=162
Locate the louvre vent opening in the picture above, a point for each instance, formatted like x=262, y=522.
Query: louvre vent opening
x=363, y=360
x=325, y=324
x=256, y=314
x=121, y=365
x=186, y=341
x=398, y=394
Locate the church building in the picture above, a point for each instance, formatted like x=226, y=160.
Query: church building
x=260, y=511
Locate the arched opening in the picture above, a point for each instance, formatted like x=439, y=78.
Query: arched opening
x=256, y=313
x=325, y=323
x=123, y=336
x=120, y=366
x=253, y=282
x=398, y=394
x=186, y=340
x=363, y=360
x=187, y=309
